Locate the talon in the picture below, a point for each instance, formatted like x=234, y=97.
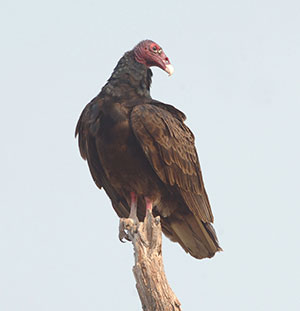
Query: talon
x=122, y=235
x=127, y=228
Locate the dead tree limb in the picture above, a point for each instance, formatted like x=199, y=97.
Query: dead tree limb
x=151, y=282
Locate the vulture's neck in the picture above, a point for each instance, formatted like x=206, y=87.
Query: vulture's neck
x=128, y=78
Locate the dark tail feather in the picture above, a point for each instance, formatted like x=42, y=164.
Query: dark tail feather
x=196, y=237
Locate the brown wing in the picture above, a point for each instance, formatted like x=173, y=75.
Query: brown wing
x=169, y=146
x=87, y=129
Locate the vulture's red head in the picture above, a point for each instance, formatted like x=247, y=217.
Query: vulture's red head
x=150, y=54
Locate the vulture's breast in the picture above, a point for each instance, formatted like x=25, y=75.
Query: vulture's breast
x=123, y=159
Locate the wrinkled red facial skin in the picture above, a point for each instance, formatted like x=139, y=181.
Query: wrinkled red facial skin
x=151, y=54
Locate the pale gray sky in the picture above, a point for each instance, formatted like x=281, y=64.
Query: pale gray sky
x=237, y=78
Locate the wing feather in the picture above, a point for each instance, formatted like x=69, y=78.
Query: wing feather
x=169, y=145
x=87, y=129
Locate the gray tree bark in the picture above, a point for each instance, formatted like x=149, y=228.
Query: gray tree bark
x=154, y=291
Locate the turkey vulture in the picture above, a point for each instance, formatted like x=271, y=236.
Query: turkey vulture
x=143, y=155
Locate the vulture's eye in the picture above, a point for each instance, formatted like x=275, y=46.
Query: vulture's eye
x=154, y=49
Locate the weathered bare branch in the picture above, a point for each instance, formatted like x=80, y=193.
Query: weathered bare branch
x=151, y=282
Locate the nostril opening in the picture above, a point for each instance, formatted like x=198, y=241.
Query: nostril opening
x=167, y=60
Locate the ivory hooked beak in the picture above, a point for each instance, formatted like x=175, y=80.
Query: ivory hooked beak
x=169, y=69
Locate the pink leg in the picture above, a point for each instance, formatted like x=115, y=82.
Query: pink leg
x=128, y=226
x=133, y=205
x=148, y=204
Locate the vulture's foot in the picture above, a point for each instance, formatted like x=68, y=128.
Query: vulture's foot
x=127, y=228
